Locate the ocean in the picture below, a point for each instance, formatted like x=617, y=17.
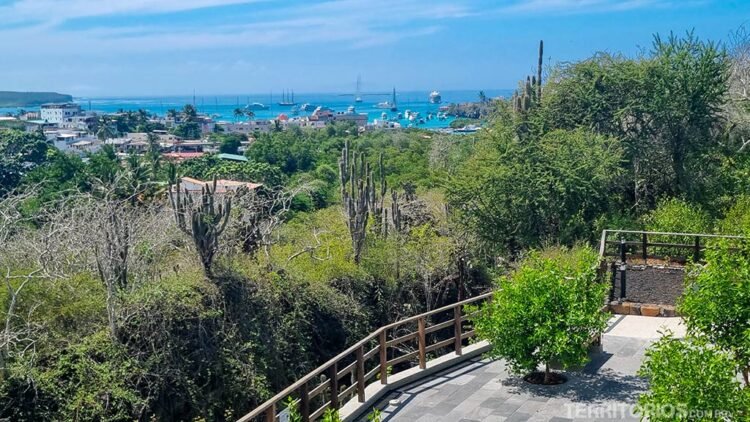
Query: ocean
x=222, y=106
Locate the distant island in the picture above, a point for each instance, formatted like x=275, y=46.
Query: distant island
x=31, y=99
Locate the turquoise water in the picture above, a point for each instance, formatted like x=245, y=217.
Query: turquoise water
x=222, y=106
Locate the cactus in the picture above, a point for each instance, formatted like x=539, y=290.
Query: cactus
x=356, y=185
x=529, y=92
x=361, y=198
x=539, y=72
x=203, y=221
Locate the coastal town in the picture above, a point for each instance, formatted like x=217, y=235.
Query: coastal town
x=71, y=128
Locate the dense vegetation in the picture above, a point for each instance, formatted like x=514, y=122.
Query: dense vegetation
x=110, y=314
x=31, y=99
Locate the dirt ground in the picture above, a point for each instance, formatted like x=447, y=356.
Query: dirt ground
x=651, y=284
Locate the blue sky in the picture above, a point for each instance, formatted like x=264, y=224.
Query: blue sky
x=163, y=47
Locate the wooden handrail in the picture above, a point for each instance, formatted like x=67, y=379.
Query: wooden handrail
x=269, y=407
x=692, y=249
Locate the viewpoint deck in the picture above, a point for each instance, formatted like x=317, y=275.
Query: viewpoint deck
x=482, y=390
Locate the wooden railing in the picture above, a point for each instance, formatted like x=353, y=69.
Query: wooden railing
x=386, y=351
x=655, y=245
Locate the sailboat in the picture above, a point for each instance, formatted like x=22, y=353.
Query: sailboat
x=391, y=105
x=286, y=100
x=357, y=96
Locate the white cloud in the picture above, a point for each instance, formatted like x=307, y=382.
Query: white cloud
x=353, y=23
x=62, y=10
x=580, y=6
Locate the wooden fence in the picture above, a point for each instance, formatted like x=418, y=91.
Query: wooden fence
x=386, y=351
x=679, y=247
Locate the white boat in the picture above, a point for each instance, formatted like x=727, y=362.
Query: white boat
x=357, y=96
x=391, y=105
x=256, y=106
x=435, y=97
x=308, y=107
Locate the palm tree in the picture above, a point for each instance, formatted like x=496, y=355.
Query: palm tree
x=172, y=114
x=238, y=113
x=250, y=114
x=105, y=130
x=154, y=152
x=189, y=113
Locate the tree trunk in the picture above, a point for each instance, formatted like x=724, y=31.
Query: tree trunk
x=746, y=375
x=547, y=374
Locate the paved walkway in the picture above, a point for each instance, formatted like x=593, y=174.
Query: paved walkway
x=481, y=390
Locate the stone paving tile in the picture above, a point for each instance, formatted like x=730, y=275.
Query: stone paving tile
x=483, y=390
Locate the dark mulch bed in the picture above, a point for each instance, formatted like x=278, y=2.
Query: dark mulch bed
x=655, y=285
x=556, y=378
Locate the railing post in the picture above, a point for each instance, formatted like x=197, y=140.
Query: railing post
x=422, y=346
x=271, y=413
x=623, y=281
x=697, y=251
x=334, y=385
x=304, y=403
x=645, y=248
x=361, y=374
x=457, y=329
x=614, y=278
x=623, y=258
x=383, y=359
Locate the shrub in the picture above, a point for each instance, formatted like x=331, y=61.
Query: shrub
x=690, y=380
x=547, y=311
x=675, y=216
x=678, y=216
x=736, y=221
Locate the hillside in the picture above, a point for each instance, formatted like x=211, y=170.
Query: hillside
x=30, y=99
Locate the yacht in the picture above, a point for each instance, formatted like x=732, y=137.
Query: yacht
x=435, y=97
x=391, y=105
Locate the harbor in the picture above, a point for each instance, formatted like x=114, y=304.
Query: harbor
x=413, y=108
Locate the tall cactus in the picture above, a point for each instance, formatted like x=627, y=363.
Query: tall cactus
x=529, y=92
x=539, y=72
x=356, y=186
x=203, y=221
x=361, y=198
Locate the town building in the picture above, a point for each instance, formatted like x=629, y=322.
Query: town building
x=247, y=128
x=59, y=113
x=195, y=186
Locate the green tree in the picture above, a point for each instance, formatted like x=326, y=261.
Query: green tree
x=230, y=143
x=665, y=108
x=106, y=129
x=691, y=380
x=547, y=311
x=716, y=301
x=20, y=153
x=515, y=194
x=189, y=114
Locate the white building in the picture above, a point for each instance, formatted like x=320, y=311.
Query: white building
x=247, y=128
x=59, y=113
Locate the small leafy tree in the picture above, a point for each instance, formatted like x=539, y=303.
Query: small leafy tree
x=716, y=302
x=547, y=311
x=691, y=380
